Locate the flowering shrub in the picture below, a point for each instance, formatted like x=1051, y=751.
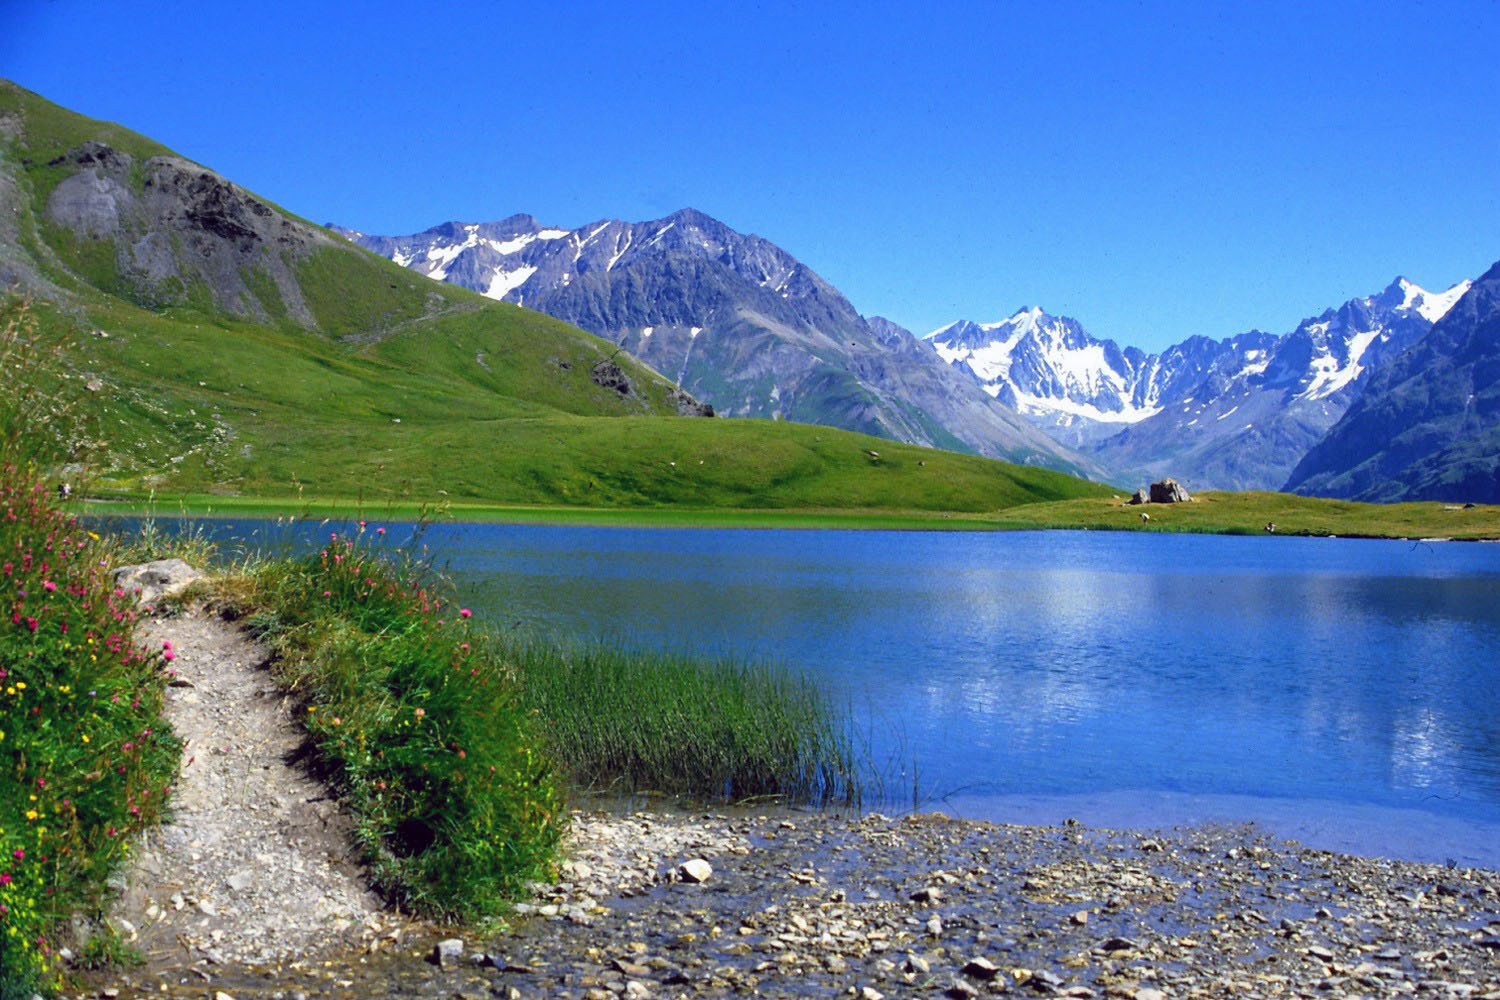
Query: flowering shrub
x=456, y=806
x=85, y=758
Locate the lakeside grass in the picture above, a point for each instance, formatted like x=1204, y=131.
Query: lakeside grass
x=416, y=724
x=1221, y=513
x=1248, y=513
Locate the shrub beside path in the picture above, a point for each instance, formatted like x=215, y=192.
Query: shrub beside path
x=255, y=865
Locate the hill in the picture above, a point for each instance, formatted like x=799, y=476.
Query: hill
x=218, y=343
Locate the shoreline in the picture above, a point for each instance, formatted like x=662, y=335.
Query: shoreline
x=1240, y=514
x=822, y=905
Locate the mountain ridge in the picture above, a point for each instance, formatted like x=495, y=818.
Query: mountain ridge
x=733, y=319
x=1145, y=415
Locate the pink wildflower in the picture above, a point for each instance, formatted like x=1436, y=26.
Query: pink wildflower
x=465, y=613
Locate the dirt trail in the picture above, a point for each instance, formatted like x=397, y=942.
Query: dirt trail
x=256, y=864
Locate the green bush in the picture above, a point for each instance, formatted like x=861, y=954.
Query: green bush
x=456, y=805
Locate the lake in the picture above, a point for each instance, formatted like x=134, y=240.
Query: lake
x=1345, y=693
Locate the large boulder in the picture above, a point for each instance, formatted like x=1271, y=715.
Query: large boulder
x=155, y=580
x=1139, y=497
x=1169, y=491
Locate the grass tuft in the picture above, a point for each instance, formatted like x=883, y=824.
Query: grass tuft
x=716, y=729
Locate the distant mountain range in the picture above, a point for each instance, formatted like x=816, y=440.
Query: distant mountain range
x=740, y=323
x=1237, y=413
x=734, y=320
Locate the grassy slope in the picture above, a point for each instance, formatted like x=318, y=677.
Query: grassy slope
x=1248, y=513
x=409, y=388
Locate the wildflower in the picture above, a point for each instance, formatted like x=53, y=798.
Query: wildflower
x=48, y=585
x=465, y=613
x=419, y=712
x=167, y=654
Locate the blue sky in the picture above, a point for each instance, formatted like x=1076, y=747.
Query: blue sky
x=1154, y=170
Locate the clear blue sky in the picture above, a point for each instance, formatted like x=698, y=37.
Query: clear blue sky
x=1154, y=170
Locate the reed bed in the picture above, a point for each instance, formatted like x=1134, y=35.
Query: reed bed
x=710, y=729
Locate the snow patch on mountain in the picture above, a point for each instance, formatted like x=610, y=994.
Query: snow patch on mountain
x=1431, y=306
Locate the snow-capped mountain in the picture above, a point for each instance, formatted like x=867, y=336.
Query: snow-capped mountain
x=1237, y=413
x=1427, y=425
x=1079, y=389
x=734, y=320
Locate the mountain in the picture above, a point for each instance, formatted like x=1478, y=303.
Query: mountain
x=1236, y=413
x=1427, y=426
x=210, y=342
x=1079, y=389
x=734, y=320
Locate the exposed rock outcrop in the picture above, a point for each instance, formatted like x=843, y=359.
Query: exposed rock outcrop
x=1169, y=491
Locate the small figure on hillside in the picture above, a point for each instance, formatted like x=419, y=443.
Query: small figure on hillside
x=1270, y=527
x=1145, y=516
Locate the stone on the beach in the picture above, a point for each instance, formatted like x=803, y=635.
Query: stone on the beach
x=1079, y=919
x=931, y=894
x=696, y=870
x=935, y=926
x=1169, y=491
x=961, y=990
x=981, y=968
x=1150, y=993
x=1119, y=944
x=447, y=951
x=157, y=579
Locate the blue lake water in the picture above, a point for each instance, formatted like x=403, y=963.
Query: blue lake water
x=1342, y=692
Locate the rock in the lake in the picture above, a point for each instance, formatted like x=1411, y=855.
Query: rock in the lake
x=155, y=580
x=1169, y=491
x=696, y=870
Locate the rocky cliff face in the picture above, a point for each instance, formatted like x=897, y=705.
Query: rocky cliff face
x=170, y=230
x=1427, y=425
x=734, y=320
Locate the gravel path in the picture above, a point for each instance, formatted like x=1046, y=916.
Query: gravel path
x=794, y=905
x=255, y=865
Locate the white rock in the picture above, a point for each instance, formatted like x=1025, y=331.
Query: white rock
x=696, y=870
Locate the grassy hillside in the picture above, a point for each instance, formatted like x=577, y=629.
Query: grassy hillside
x=223, y=346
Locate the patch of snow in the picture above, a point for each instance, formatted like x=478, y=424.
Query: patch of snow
x=1329, y=377
x=1429, y=305
x=620, y=251
x=553, y=234
x=1226, y=413
x=1028, y=403
x=503, y=282
x=646, y=331
x=693, y=333
x=511, y=245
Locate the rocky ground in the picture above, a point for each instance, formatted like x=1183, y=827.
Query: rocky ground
x=671, y=904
